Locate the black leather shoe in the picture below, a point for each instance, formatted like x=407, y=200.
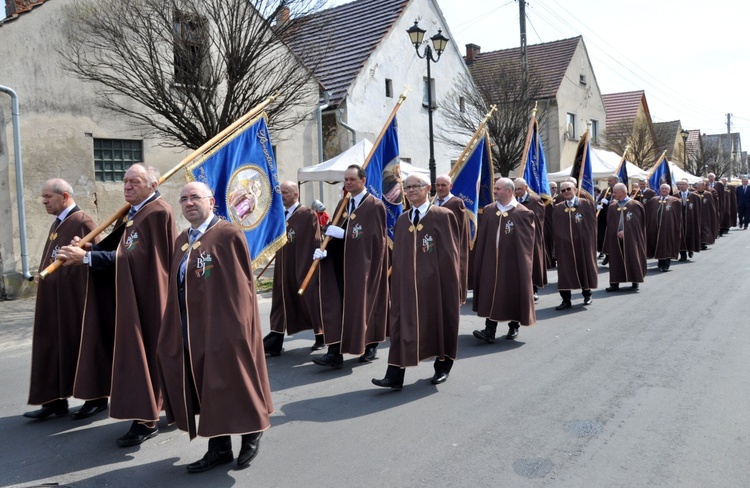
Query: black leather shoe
x=690, y=254
x=704, y=247
x=272, y=344
x=335, y=361
x=682, y=259
x=369, y=355
x=319, y=343
x=563, y=306
x=634, y=287
x=210, y=460
x=588, y=300
x=439, y=378
x=89, y=409
x=137, y=434
x=485, y=335
x=512, y=333
x=615, y=287
x=387, y=383
x=605, y=261
x=536, y=297
x=51, y=409
x=250, y=448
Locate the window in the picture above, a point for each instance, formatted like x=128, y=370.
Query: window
x=112, y=157
x=424, y=92
x=190, y=49
x=570, y=127
x=389, y=88
x=595, y=131
x=462, y=105
x=582, y=79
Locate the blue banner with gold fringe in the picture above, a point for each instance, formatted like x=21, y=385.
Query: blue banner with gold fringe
x=384, y=176
x=473, y=182
x=241, y=170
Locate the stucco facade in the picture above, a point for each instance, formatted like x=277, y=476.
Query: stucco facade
x=59, y=122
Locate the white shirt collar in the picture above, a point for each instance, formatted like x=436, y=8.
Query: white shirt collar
x=290, y=210
x=511, y=205
x=358, y=198
x=65, y=212
x=422, y=209
x=204, y=226
x=445, y=200
x=138, y=207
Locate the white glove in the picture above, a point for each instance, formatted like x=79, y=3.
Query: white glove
x=599, y=207
x=604, y=201
x=319, y=254
x=335, y=232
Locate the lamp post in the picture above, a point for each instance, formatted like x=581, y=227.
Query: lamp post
x=684, y=135
x=439, y=41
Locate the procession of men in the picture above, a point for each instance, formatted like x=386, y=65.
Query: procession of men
x=193, y=347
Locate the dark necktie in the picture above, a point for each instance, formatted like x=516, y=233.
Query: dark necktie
x=57, y=223
x=192, y=236
x=352, y=206
x=416, y=217
x=286, y=214
x=131, y=213
x=440, y=202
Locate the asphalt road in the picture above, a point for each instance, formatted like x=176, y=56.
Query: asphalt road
x=639, y=389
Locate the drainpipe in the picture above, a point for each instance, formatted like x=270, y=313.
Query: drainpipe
x=19, y=181
x=346, y=126
x=326, y=99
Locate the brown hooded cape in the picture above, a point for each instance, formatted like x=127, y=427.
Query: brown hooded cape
x=574, y=229
x=627, y=256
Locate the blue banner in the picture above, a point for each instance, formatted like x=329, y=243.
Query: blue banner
x=242, y=172
x=535, y=171
x=473, y=182
x=660, y=174
x=622, y=172
x=384, y=176
x=585, y=175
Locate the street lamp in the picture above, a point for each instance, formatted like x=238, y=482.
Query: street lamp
x=684, y=135
x=439, y=42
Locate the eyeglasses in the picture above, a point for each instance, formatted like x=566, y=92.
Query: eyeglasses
x=566, y=190
x=413, y=187
x=192, y=198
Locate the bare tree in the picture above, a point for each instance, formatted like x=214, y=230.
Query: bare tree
x=192, y=67
x=711, y=159
x=645, y=144
x=465, y=107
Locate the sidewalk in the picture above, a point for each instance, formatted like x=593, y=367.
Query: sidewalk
x=17, y=323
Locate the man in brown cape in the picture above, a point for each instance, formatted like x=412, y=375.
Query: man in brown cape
x=663, y=227
x=574, y=228
x=626, y=240
x=722, y=216
x=60, y=302
x=503, y=266
x=602, y=206
x=140, y=249
x=210, y=350
x=643, y=194
x=536, y=205
x=690, y=242
x=291, y=312
x=730, y=194
x=355, y=308
x=444, y=198
x=549, y=243
x=708, y=215
x=425, y=291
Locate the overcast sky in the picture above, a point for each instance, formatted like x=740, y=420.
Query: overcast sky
x=688, y=56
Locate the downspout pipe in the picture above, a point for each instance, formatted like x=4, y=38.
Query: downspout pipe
x=326, y=100
x=346, y=126
x=19, y=181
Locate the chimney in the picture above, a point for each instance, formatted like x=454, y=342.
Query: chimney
x=282, y=16
x=472, y=51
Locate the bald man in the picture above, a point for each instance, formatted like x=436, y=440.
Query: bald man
x=59, y=311
x=626, y=240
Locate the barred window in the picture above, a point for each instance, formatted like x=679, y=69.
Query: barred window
x=113, y=157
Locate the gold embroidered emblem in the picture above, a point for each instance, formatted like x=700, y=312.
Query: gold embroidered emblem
x=129, y=224
x=53, y=236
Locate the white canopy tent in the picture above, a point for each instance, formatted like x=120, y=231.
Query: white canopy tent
x=680, y=174
x=603, y=164
x=332, y=171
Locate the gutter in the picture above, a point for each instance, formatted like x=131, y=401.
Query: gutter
x=19, y=181
x=343, y=124
x=326, y=100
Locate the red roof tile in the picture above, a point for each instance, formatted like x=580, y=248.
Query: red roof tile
x=623, y=106
x=19, y=7
x=343, y=37
x=547, y=62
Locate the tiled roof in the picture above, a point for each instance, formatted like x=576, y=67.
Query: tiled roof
x=670, y=131
x=547, y=62
x=343, y=37
x=623, y=107
x=18, y=7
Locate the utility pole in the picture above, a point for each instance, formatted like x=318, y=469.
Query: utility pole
x=522, y=19
x=729, y=143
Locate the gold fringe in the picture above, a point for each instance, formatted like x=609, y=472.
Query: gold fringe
x=269, y=252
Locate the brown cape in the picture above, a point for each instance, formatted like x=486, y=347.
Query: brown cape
x=503, y=288
x=539, y=273
x=60, y=300
x=708, y=217
x=627, y=256
x=691, y=222
x=457, y=206
x=731, y=193
x=142, y=266
x=290, y=312
x=360, y=263
x=425, y=291
x=663, y=228
x=574, y=230
x=226, y=362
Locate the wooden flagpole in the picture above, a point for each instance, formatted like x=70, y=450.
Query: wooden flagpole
x=345, y=203
x=461, y=162
x=527, y=144
x=194, y=155
x=583, y=162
